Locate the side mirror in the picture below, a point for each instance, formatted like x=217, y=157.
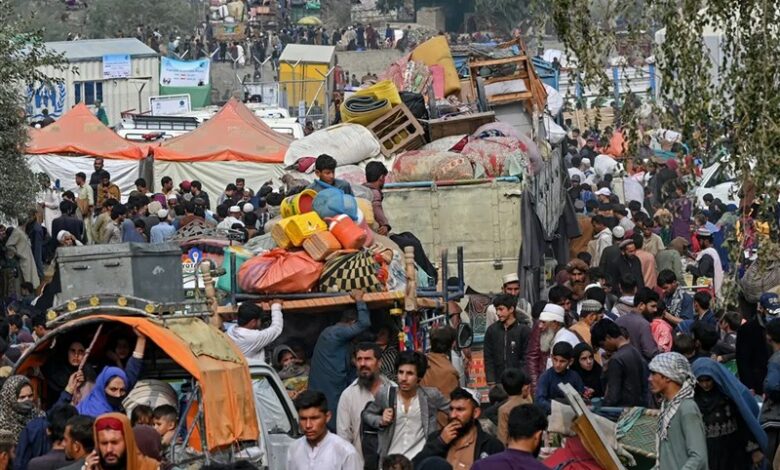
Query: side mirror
x=465, y=336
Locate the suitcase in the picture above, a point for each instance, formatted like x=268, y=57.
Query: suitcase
x=320, y=245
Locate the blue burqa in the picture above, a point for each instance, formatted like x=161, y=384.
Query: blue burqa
x=96, y=403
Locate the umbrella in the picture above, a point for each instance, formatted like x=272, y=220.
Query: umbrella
x=310, y=21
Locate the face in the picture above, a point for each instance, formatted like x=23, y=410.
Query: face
x=646, y=231
x=72, y=448
x=40, y=331
x=327, y=176
x=111, y=445
x=512, y=288
x=560, y=364
x=163, y=426
x=586, y=360
x=116, y=388
x=287, y=359
x=670, y=288
x=650, y=308
x=464, y=412
x=706, y=383
x=407, y=377
x=313, y=423
x=98, y=164
x=367, y=364
x=75, y=354
x=629, y=250
x=25, y=394
x=658, y=382
x=122, y=349
x=105, y=181
x=577, y=276
x=565, y=303
x=168, y=186
x=505, y=313
x=240, y=185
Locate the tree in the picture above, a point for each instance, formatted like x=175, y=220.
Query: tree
x=106, y=18
x=21, y=56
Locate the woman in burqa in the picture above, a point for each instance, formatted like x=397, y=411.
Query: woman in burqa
x=735, y=439
x=588, y=369
x=111, y=387
x=58, y=372
x=17, y=405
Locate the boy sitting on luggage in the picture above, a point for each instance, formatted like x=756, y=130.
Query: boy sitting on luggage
x=547, y=389
x=325, y=169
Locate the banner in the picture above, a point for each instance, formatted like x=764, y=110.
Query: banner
x=180, y=73
x=170, y=105
x=116, y=66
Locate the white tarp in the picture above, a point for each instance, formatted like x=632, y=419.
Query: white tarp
x=216, y=175
x=347, y=143
x=123, y=172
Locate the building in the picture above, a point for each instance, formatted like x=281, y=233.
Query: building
x=305, y=78
x=121, y=73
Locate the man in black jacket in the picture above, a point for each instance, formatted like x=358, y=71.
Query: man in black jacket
x=505, y=340
x=462, y=441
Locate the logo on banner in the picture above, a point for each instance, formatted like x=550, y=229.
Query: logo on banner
x=49, y=96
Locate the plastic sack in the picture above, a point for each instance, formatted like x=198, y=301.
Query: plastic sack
x=423, y=165
x=282, y=272
x=347, y=143
x=605, y=165
x=756, y=281
x=252, y=271
x=331, y=202
x=554, y=100
x=436, y=51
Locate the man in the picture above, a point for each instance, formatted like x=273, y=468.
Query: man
x=752, y=351
x=407, y=414
x=166, y=184
x=621, y=214
x=196, y=189
x=359, y=393
x=141, y=188
x=107, y=190
x=626, y=372
x=517, y=386
x=678, y=302
x=86, y=203
x=78, y=440
x=505, y=340
x=671, y=257
x=248, y=336
x=602, y=239
x=441, y=373
x=462, y=442
x=646, y=262
x=47, y=119
x=634, y=322
x=682, y=441
x=112, y=232
x=511, y=286
x=319, y=448
x=591, y=311
x=115, y=446
x=603, y=195
x=234, y=217
x=329, y=363
x=770, y=410
x=68, y=222
x=163, y=231
x=580, y=244
x=460, y=357
x=97, y=176
x=651, y=242
x=230, y=191
x=708, y=261
x=103, y=219
x=553, y=325
x=627, y=264
x=325, y=170
x=701, y=311
x=56, y=458
x=527, y=423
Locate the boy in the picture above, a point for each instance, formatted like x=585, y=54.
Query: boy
x=517, y=385
x=663, y=334
x=325, y=169
x=726, y=348
x=165, y=418
x=547, y=389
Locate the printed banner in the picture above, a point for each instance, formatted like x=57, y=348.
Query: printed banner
x=116, y=66
x=180, y=73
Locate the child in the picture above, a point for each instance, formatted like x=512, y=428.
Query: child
x=325, y=169
x=142, y=414
x=662, y=331
x=517, y=385
x=726, y=348
x=547, y=389
x=165, y=417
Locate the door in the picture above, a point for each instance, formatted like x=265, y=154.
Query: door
x=276, y=415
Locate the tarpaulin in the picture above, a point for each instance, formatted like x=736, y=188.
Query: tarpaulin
x=233, y=134
x=64, y=168
x=79, y=132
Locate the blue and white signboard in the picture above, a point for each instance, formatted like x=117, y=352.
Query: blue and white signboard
x=184, y=73
x=116, y=66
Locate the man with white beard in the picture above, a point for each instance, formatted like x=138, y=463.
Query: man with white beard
x=554, y=330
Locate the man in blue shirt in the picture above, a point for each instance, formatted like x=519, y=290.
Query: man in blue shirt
x=547, y=389
x=163, y=231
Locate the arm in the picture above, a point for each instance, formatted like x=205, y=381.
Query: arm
x=343, y=423
x=525, y=334
x=613, y=385
x=346, y=333
x=647, y=343
x=264, y=337
x=695, y=441
x=135, y=363
x=541, y=398
x=372, y=415
x=434, y=447
x=489, y=356
x=772, y=381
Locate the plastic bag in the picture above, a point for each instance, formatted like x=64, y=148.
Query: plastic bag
x=282, y=272
x=422, y=165
x=347, y=143
x=331, y=202
x=252, y=271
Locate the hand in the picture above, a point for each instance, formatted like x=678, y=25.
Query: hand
x=357, y=294
x=138, y=333
x=74, y=382
x=267, y=305
x=757, y=457
x=383, y=230
x=92, y=462
x=387, y=416
x=588, y=393
x=5, y=459
x=450, y=431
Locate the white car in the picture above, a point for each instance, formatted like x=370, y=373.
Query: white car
x=720, y=181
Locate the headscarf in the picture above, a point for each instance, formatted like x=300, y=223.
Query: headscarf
x=590, y=378
x=676, y=368
x=135, y=459
x=737, y=392
x=96, y=403
x=148, y=440
x=11, y=418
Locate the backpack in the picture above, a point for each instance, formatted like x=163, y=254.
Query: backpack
x=369, y=436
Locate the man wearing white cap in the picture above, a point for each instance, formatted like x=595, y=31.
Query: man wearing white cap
x=511, y=286
x=601, y=241
x=603, y=195
x=163, y=231
x=506, y=340
x=234, y=217
x=552, y=324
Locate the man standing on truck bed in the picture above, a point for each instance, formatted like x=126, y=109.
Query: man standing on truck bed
x=375, y=180
x=248, y=335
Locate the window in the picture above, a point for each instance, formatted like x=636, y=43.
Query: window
x=88, y=92
x=270, y=408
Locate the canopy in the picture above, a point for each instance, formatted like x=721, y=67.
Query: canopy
x=79, y=132
x=233, y=134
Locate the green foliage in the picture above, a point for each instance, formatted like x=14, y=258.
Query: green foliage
x=20, y=56
x=107, y=17
x=501, y=15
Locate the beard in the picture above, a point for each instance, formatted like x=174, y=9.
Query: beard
x=120, y=464
x=546, y=340
x=366, y=379
x=538, y=449
x=465, y=427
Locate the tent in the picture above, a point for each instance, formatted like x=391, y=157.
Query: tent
x=233, y=143
x=70, y=144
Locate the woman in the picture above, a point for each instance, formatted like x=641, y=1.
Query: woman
x=66, y=238
x=107, y=395
x=17, y=405
x=681, y=208
x=59, y=373
x=589, y=371
x=735, y=439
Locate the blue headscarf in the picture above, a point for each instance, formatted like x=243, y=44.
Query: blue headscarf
x=737, y=392
x=96, y=404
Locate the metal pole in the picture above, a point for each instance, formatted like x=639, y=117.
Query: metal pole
x=233, y=277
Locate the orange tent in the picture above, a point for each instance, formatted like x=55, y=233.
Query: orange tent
x=233, y=134
x=79, y=132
